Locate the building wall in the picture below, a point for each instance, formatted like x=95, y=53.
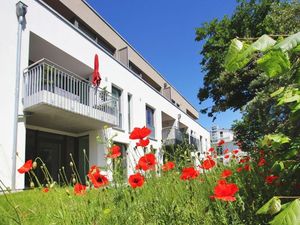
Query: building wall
x=49, y=26
x=98, y=24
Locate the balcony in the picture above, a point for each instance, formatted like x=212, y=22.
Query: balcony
x=172, y=135
x=60, y=99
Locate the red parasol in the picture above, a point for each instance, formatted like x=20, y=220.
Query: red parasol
x=96, y=75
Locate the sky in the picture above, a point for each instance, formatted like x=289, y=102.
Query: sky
x=163, y=31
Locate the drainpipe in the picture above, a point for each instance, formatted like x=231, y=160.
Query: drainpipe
x=21, y=10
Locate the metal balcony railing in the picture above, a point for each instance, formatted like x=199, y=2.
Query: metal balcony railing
x=48, y=83
x=172, y=135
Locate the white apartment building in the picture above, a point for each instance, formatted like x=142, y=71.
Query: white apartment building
x=226, y=135
x=60, y=112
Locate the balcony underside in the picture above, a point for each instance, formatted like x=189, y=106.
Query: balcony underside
x=48, y=116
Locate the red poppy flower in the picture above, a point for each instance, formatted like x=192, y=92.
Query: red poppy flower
x=189, y=173
x=26, y=167
x=136, y=180
x=143, y=143
x=208, y=163
x=270, y=179
x=114, y=152
x=225, y=191
x=226, y=173
x=226, y=156
x=147, y=162
x=247, y=167
x=226, y=151
x=168, y=166
x=98, y=180
x=261, y=162
x=93, y=170
x=211, y=149
x=235, y=151
x=239, y=169
x=221, y=142
x=242, y=161
x=139, y=133
x=79, y=189
x=245, y=159
x=45, y=190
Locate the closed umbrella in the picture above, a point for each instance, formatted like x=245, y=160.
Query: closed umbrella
x=96, y=75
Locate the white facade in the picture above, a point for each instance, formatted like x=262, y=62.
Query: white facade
x=226, y=135
x=48, y=35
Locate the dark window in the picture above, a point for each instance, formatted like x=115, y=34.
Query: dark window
x=129, y=111
x=117, y=94
x=150, y=120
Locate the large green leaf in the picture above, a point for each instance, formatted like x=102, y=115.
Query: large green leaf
x=233, y=53
x=289, y=216
x=289, y=43
x=271, y=207
x=275, y=62
x=240, y=54
x=263, y=43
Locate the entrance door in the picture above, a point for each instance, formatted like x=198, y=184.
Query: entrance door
x=50, y=152
x=55, y=150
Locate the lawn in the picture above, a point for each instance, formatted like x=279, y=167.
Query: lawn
x=164, y=199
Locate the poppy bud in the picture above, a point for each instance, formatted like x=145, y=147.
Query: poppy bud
x=34, y=165
x=31, y=184
x=275, y=206
x=52, y=185
x=74, y=180
x=71, y=164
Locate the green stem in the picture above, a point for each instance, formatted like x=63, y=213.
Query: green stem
x=35, y=177
x=74, y=168
x=16, y=211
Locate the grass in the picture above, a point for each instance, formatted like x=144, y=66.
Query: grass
x=161, y=200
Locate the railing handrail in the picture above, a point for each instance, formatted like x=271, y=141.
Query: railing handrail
x=68, y=72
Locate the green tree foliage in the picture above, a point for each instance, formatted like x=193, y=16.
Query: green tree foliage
x=252, y=18
x=273, y=113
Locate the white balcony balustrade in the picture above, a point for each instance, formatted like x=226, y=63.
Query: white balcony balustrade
x=47, y=84
x=172, y=135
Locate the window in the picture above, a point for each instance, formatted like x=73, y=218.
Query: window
x=201, y=147
x=117, y=93
x=129, y=97
x=150, y=120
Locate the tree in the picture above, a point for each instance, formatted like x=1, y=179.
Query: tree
x=251, y=19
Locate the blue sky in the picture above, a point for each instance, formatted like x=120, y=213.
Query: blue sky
x=163, y=31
